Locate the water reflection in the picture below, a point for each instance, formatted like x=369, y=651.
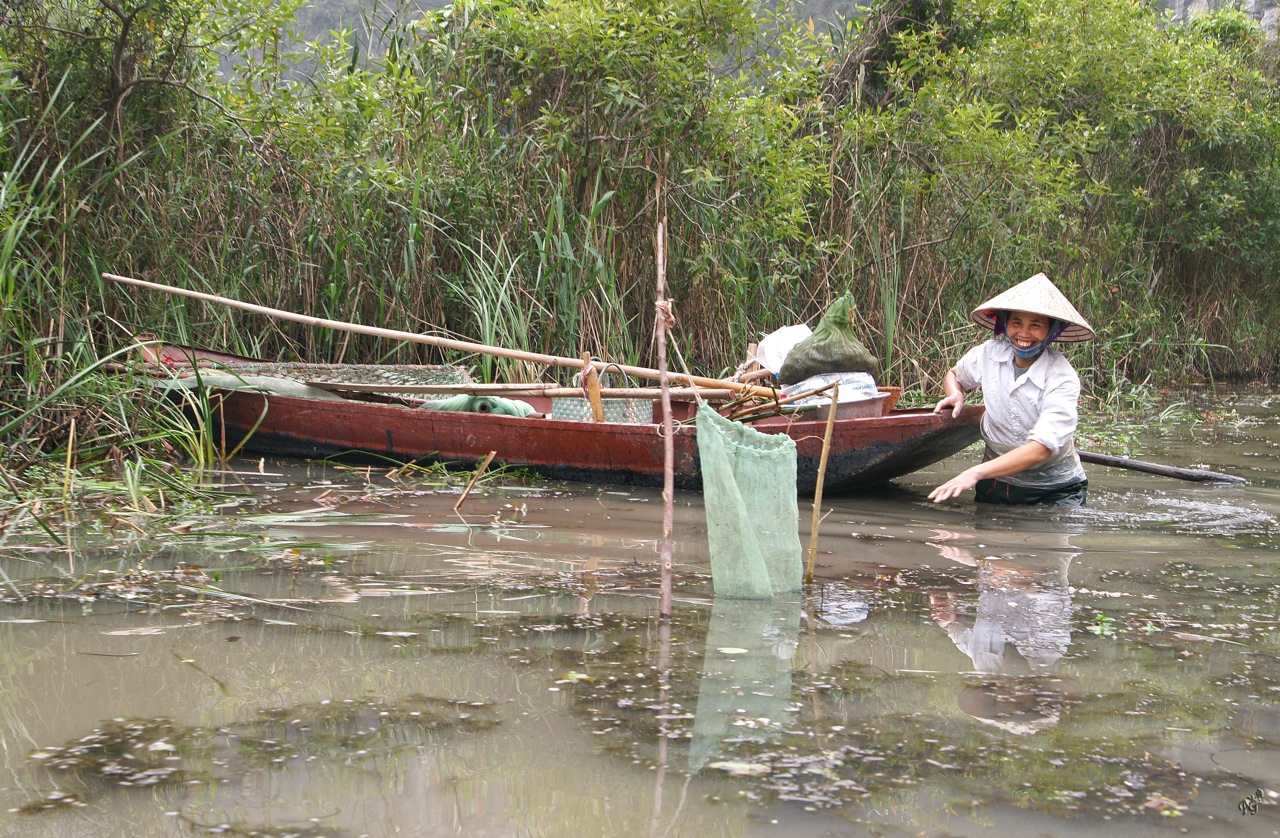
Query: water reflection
x=935, y=690
x=1018, y=628
x=746, y=668
x=1021, y=621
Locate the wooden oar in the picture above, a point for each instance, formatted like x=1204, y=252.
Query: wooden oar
x=449, y=343
x=1196, y=474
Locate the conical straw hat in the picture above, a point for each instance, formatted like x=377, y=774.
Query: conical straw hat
x=1036, y=295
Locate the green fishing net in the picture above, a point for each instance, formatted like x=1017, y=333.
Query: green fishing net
x=753, y=517
x=833, y=347
x=482, y=404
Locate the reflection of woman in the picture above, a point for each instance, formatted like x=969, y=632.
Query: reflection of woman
x=1020, y=628
x=1030, y=391
x=1019, y=705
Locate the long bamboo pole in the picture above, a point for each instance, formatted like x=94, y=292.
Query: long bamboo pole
x=517, y=390
x=447, y=343
x=817, y=490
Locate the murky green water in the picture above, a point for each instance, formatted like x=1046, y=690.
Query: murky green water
x=344, y=654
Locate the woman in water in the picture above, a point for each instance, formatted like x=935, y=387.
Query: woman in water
x=1030, y=391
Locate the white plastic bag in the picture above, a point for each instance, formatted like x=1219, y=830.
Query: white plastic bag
x=854, y=387
x=772, y=349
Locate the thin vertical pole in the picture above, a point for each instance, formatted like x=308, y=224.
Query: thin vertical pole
x=664, y=318
x=664, y=710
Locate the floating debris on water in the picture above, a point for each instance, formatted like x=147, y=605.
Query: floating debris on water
x=159, y=752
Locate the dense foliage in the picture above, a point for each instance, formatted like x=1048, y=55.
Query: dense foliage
x=497, y=169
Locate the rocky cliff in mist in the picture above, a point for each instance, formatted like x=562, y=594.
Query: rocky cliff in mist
x=1266, y=12
x=319, y=17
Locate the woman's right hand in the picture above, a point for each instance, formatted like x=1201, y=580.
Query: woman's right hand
x=956, y=486
x=955, y=401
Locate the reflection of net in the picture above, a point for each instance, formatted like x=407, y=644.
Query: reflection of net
x=746, y=674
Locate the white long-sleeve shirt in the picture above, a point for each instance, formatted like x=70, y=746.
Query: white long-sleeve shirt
x=1038, y=405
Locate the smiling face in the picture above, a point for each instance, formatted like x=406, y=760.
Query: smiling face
x=1026, y=330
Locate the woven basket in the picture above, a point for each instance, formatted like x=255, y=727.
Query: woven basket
x=624, y=411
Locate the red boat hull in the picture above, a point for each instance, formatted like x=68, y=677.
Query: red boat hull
x=864, y=451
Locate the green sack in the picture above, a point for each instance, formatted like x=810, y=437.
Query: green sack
x=833, y=347
x=753, y=517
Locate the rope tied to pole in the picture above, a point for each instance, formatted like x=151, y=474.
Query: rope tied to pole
x=665, y=313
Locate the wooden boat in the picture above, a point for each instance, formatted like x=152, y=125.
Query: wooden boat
x=864, y=451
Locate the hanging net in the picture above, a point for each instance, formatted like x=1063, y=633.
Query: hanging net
x=753, y=518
